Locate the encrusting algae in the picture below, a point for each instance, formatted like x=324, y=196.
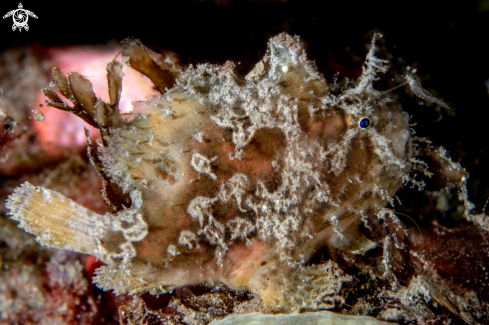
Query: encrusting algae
x=225, y=179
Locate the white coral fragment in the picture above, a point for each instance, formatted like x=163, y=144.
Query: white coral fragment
x=318, y=318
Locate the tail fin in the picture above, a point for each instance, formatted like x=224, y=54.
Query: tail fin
x=56, y=220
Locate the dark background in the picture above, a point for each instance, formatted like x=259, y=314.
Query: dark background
x=447, y=41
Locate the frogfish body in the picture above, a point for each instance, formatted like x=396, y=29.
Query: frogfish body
x=224, y=178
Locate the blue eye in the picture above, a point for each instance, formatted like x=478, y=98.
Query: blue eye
x=364, y=123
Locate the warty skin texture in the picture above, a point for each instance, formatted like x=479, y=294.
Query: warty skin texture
x=229, y=179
